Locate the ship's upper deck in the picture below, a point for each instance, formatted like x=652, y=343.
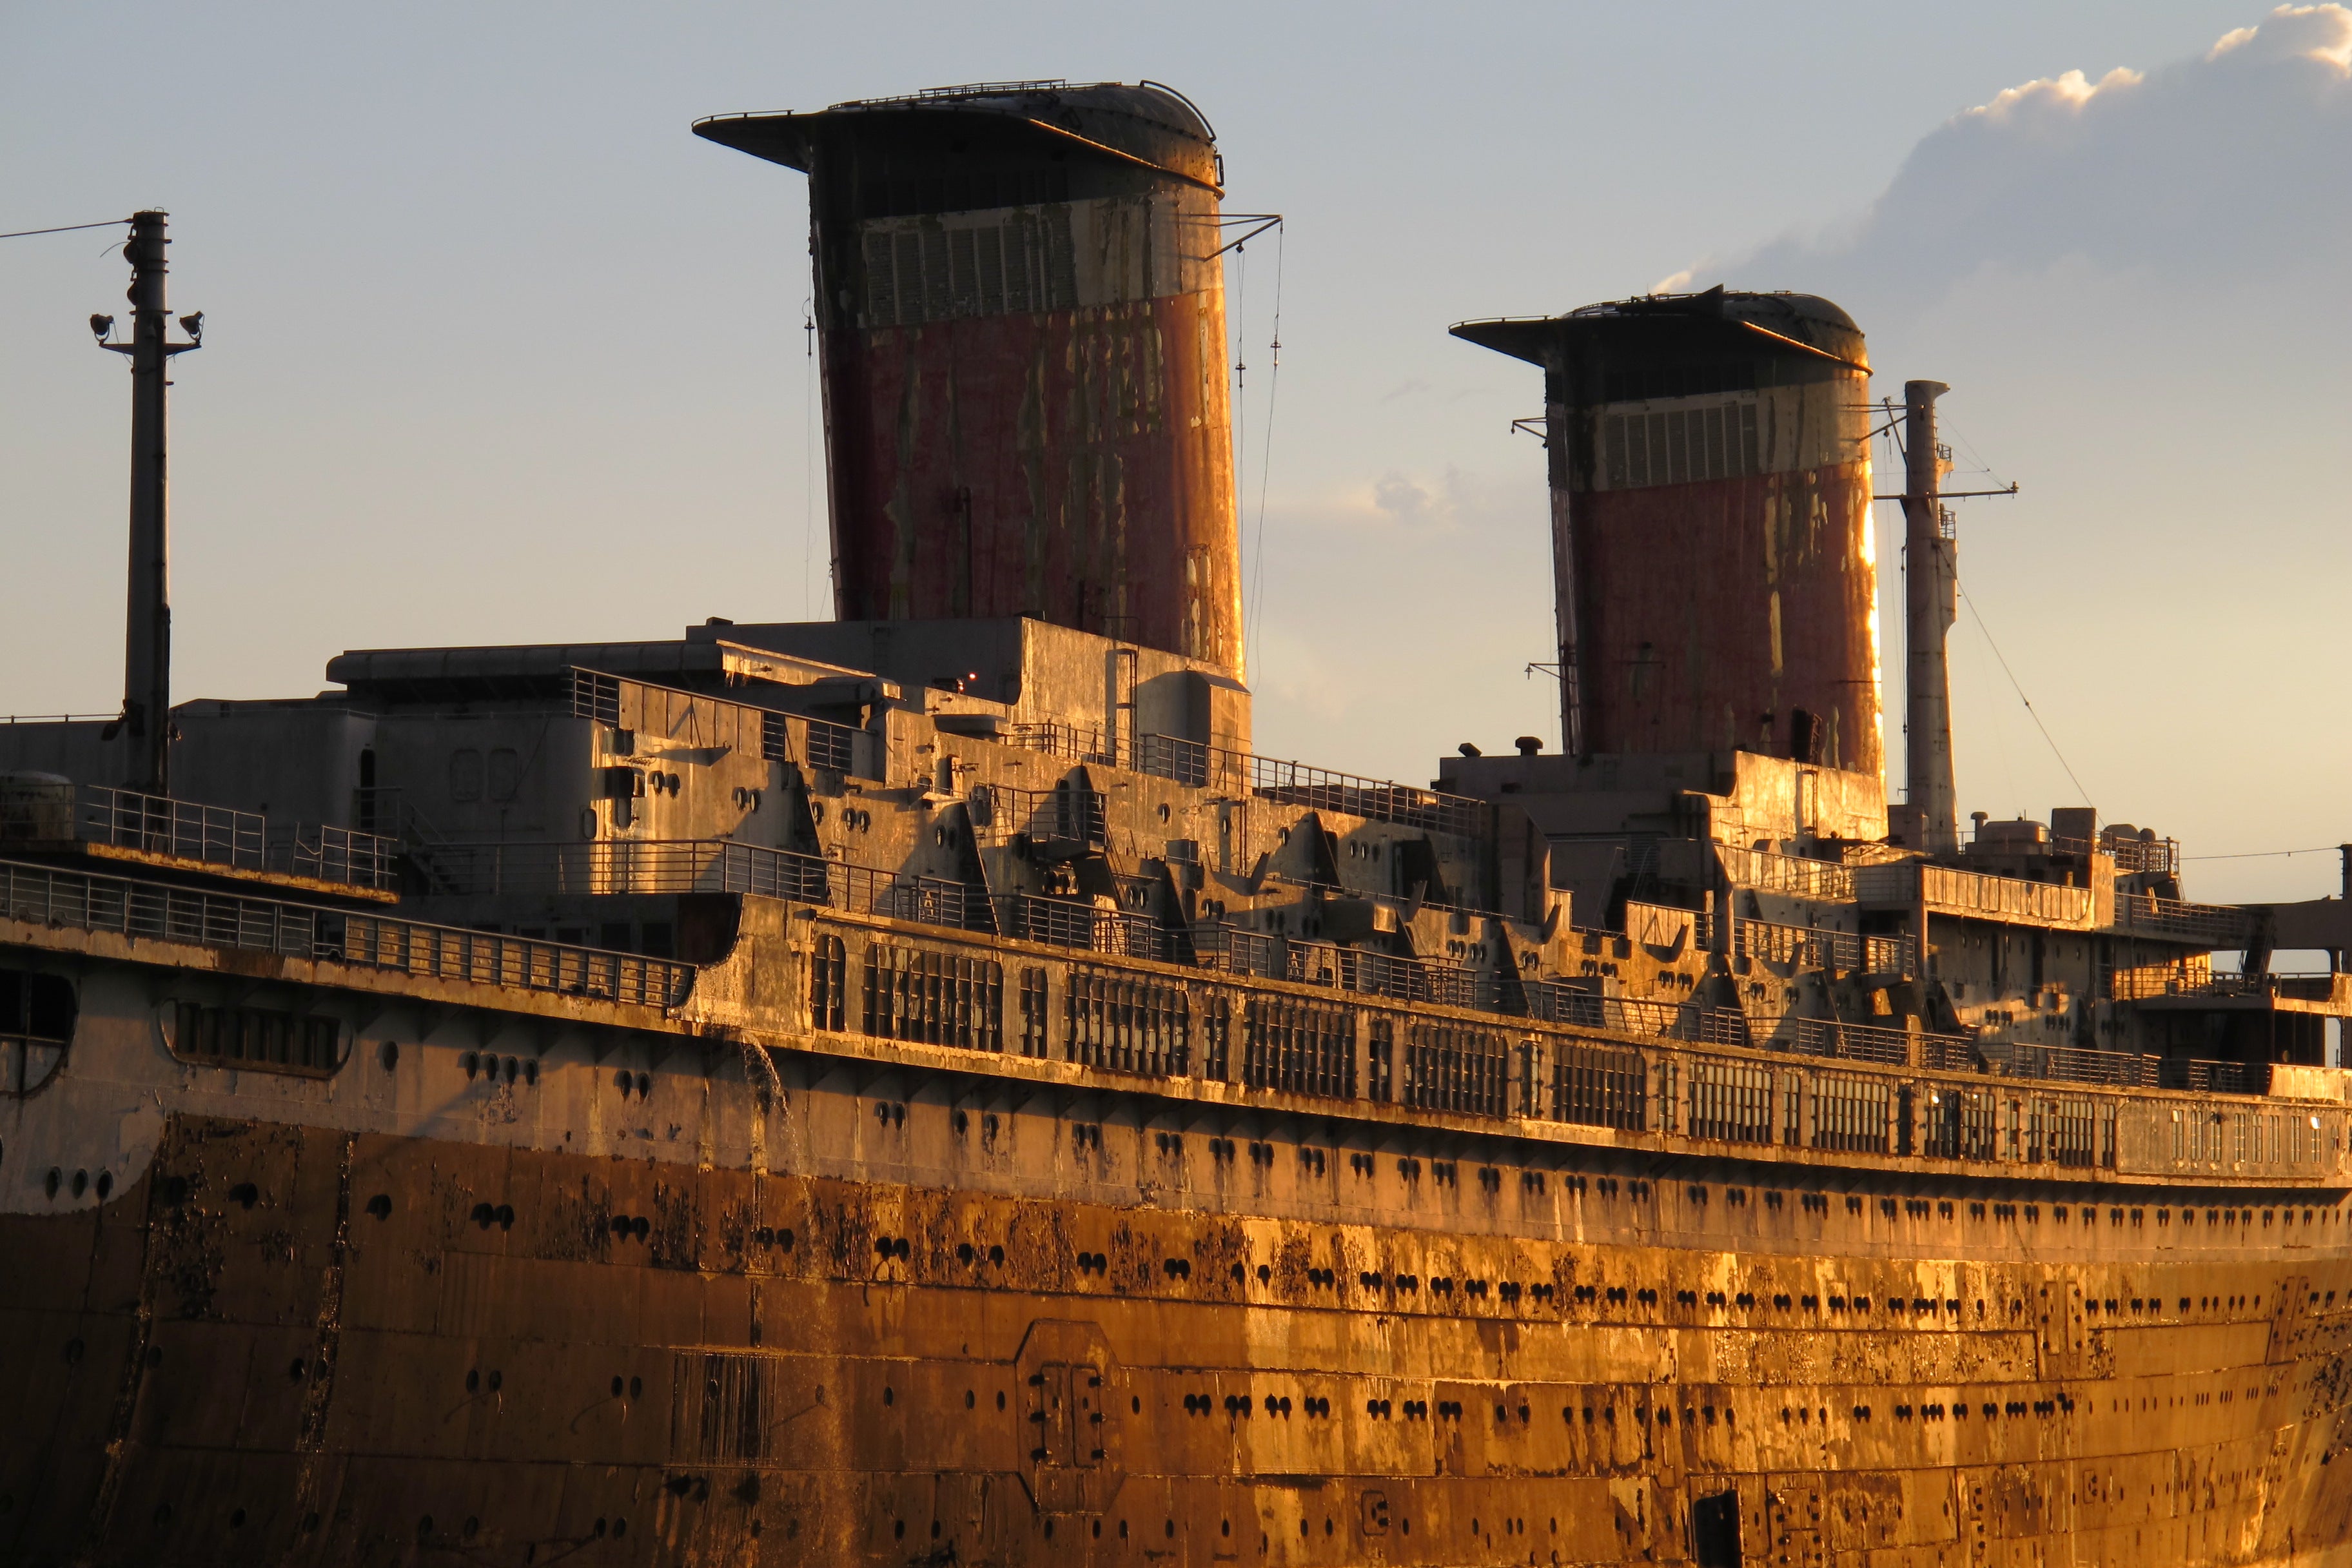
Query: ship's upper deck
x=1012, y=780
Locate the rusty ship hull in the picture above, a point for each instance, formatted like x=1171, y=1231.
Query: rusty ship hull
x=644, y=1304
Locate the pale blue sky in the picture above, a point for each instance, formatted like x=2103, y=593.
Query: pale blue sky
x=499, y=352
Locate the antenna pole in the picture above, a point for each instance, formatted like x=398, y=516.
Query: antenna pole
x=147, y=652
x=1930, y=589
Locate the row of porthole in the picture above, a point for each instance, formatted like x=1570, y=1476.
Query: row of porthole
x=1959, y=1410
x=473, y=1524
x=1944, y=1208
x=78, y=1183
x=484, y=1215
x=468, y=1530
x=899, y=1247
x=487, y=1064
x=1277, y=1406
x=1225, y=1529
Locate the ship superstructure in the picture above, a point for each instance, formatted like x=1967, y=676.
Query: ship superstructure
x=921, y=1088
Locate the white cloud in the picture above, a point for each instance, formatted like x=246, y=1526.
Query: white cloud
x=2208, y=168
x=2055, y=96
x=2318, y=33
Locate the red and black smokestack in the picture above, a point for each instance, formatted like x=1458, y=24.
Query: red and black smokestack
x=1023, y=334
x=1716, y=584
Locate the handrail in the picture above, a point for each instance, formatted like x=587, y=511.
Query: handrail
x=1557, y=1004
x=165, y=912
x=215, y=836
x=1853, y=1042
x=1795, y=876
x=2222, y=925
x=1816, y=947
x=1974, y=893
x=2132, y=856
x=2074, y=1064
x=1205, y=766
x=2206, y=1077
x=182, y=829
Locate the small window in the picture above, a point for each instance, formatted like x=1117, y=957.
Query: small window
x=828, y=984
x=506, y=773
x=36, y=1024
x=261, y=1040
x=466, y=775
x=1033, y=1013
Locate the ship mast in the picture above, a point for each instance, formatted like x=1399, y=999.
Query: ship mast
x=146, y=721
x=1930, y=586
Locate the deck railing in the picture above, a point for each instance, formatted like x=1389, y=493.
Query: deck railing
x=1972, y=893
x=1853, y=1042
x=1791, y=875
x=2160, y=856
x=626, y=866
x=1205, y=766
x=1557, y=1004
x=327, y=854
x=2218, y=925
x=2072, y=1064
x=1066, y=923
x=164, y=913
x=1814, y=947
x=234, y=840
x=184, y=830
x=2209, y=1078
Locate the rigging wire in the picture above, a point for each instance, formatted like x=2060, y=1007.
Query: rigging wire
x=1997, y=729
x=1266, y=456
x=1952, y=438
x=63, y=228
x=2271, y=854
x=2021, y=696
x=1894, y=443
x=1240, y=328
x=808, y=458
